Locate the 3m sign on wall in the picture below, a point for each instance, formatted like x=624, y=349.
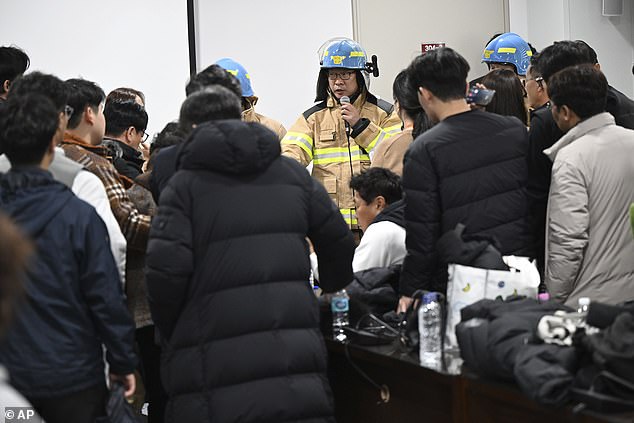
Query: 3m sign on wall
x=425, y=47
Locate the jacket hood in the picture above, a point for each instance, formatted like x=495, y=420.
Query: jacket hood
x=394, y=213
x=230, y=146
x=32, y=198
x=582, y=128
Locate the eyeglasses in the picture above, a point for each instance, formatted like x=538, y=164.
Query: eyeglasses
x=68, y=111
x=145, y=136
x=537, y=80
x=344, y=76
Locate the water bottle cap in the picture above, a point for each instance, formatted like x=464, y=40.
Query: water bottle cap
x=429, y=297
x=584, y=301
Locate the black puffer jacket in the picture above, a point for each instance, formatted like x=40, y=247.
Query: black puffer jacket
x=227, y=273
x=500, y=343
x=470, y=169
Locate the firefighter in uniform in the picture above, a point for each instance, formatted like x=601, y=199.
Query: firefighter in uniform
x=249, y=98
x=337, y=137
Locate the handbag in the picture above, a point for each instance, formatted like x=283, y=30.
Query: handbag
x=118, y=409
x=467, y=285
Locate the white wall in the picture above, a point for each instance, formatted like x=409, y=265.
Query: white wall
x=277, y=42
x=611, y=37
x=141, y=44
x=546, y=21
x=395, y=30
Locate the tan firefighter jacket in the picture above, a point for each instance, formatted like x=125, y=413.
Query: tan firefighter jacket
x=250, y=115
x=319, y=135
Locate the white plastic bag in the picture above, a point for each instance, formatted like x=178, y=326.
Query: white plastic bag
x=467, y=285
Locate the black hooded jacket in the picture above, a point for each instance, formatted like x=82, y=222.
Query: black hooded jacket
x=227, y=273
x=74, y=298
x=394, y=213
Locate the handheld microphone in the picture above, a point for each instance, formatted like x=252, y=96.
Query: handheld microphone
x=345, y=100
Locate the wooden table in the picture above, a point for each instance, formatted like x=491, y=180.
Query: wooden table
x=418, y=394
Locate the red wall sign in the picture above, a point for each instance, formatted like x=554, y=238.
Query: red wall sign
x=425, y=47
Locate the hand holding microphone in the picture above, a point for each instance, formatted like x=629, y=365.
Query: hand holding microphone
x=349, y=113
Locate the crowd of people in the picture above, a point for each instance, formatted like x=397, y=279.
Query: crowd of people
x=187, y=260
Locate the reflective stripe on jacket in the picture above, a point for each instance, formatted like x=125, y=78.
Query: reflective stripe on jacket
x=319, y=135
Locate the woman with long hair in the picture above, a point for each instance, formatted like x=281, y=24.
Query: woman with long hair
x=389, y=154
x=509, y=94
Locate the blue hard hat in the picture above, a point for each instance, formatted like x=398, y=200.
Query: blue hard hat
x=237, y=70
x=509, y=48
x=343, y=53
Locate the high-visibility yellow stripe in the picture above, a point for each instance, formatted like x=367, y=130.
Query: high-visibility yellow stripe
x=357, y=54
x=302, y=140
x=338, y=155
x=388, y=132
x=349, y=215
x=340, y=159
x=393, y=129
x=329, y=150
x=488, y=53
x=507, y=50
x=529, y=53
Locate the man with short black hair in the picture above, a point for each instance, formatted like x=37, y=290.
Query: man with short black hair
x=13, y=63
x=193, y=112
x=126, y=122
x=544, y=131
x=213, y=75
x=589, y=248
x=81, y=143
x=536, y=94
x=53, y=349
x=377, y=197
x=83, y=183
x=215, y=102
x=470, y=168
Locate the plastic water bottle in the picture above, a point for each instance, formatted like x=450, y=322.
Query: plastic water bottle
x=582, y=311
x=429, y=328
x=339, y=306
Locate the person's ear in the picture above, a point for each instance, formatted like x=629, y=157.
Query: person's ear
x=5, y=86
x=425, y=94
x=379, y=202
x=89, y=115
x=565, y=113
x=129, y=134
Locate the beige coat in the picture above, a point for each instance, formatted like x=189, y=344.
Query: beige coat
x=250, y=115
x=589, y=248
x=319, y=135
x=389, y=154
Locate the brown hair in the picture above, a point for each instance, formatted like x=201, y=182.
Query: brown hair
x=509, y=94
x=125, y=94
x=15, y=250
